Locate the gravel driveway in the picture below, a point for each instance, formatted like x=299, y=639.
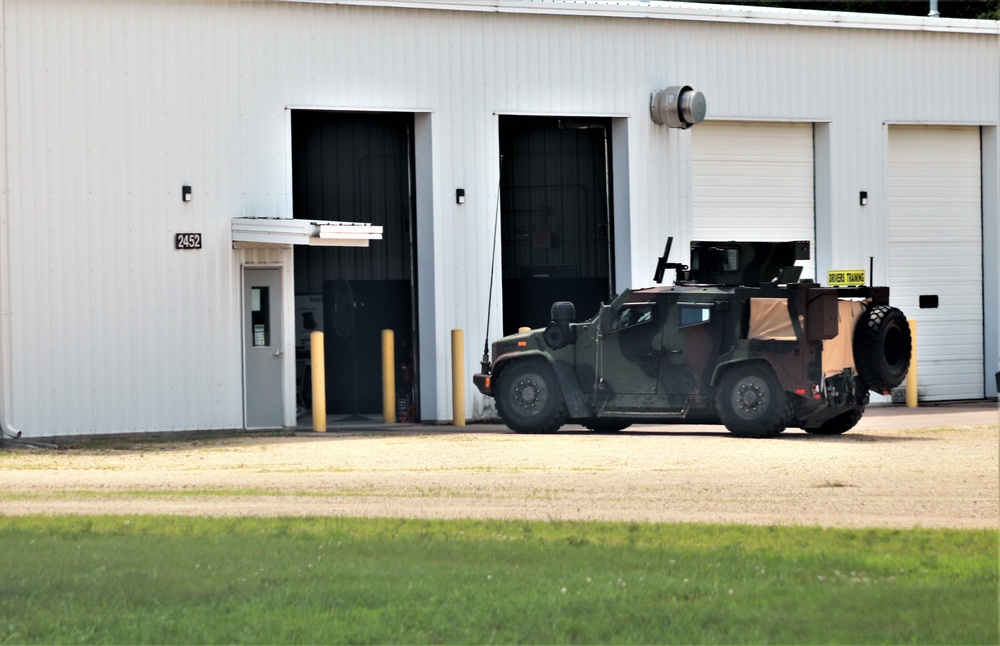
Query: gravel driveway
x=929, y=467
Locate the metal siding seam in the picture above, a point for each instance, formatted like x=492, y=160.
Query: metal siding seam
x=6, y=355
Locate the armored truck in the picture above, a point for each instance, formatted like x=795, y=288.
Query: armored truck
x=738, y=339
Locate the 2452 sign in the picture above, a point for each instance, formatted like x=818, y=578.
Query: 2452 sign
x=187, y=241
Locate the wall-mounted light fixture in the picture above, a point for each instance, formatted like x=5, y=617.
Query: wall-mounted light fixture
x=459, y=196
x=864, y=198
x=186, y=193
x=678, y=106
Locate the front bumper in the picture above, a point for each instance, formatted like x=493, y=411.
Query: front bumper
x=483, y=383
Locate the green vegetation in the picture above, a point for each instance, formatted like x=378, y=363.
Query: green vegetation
x=157, y=579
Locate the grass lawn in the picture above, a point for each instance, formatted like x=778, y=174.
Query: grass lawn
x=165, y=579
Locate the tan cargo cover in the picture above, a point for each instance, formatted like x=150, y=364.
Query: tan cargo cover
x=770, y=320
x=838, y=352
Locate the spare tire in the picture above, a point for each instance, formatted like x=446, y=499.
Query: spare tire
x=882, y=347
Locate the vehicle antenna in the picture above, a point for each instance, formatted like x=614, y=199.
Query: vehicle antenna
x=485, y=362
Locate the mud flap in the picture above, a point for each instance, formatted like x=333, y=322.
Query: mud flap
x=843, y=393
x=576, y=402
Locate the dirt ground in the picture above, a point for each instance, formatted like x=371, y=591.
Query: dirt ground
x=927, y=467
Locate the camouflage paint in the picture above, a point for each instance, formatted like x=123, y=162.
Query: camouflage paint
x=657, y=354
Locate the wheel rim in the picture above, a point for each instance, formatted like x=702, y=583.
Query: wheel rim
x=529, y=394
x=751, y=398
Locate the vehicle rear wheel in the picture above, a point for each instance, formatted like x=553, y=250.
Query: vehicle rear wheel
x=751, y=402
x=528, y=397
x=844, y=422
x=882, y=347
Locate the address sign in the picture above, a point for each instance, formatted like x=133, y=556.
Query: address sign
x=188, y=241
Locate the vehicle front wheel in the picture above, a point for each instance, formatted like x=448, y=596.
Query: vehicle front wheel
x=528, y=397
x=751, y=402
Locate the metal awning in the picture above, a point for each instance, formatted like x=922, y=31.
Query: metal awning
x=256, y=232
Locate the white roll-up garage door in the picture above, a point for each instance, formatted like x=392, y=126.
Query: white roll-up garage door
x=754, y=181
x=935, y=253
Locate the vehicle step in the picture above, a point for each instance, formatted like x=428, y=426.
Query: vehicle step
x=643, y=414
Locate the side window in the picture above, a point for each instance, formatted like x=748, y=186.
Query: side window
x=631, y=315
x=689, y=314
x=260, y=316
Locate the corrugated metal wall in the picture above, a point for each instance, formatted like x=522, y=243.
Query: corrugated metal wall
x=112, y=106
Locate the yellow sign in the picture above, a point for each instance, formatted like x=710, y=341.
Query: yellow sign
x=846, y=277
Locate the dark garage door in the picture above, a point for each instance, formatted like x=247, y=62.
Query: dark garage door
x=555, y=217
x=357, y=167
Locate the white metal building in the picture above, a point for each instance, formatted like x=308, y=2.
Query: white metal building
x=126, y=123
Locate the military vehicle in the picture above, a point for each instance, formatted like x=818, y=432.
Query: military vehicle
x=737, y=339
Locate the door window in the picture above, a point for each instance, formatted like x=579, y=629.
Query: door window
x=260, y=316
x=689, y=314
x=631, y=315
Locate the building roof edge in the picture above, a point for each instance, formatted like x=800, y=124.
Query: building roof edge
x=691, y=11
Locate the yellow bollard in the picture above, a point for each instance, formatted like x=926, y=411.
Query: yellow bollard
x=318, y=381
x=388, y=377
x=911, y=372
x=458, y=377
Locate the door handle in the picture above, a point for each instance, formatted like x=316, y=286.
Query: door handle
x=277, y=353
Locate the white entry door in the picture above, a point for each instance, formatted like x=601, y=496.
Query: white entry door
x=263, y=342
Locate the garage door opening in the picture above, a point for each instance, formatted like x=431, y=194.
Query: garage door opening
x=555, y=217
x=356, y=167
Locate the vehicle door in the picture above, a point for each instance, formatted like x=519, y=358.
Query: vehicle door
x=691, y=342
x=629, y=356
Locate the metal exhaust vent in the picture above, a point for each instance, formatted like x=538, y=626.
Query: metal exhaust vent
x=678, y=106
